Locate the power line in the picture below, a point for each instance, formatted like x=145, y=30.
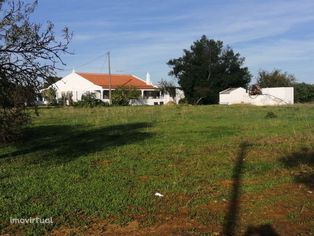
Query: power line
x=92, y=60
x=89, y=62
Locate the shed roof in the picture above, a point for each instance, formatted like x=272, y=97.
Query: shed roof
x=228, y=90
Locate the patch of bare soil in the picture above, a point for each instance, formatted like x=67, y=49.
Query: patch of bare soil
x=228, y=183
x=174, y=226
x=287, y=211
x=283, y=209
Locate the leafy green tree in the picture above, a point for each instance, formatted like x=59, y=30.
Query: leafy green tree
x=14, y=95
x=167, y=87
x=275, y=78
x=303, y=92
x=11, y=123
x=122, y=95
x=208, y=68
x=50, y=95
x=29, y=54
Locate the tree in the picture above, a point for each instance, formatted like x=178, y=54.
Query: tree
x=122, y=95
x=29, y=55
x=51, y=80
x=275, y=78
x=206, y=69
x=303, y=92
x=167, y=87
x=67, y=98
x=50, y=95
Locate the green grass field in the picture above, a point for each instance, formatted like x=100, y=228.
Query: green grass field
x=221, y=169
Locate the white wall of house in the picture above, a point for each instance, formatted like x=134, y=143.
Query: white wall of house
x=179, y=95
x=160, y=100
x=77, y=85
x=148, y=101
x=269, y=96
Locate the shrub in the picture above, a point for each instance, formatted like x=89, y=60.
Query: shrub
x=270, y=115
x=12, y=122
x=183, y=101
x=89, y=100
x=121, y=96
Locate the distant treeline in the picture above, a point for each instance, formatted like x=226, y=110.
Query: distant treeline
x=303, y=92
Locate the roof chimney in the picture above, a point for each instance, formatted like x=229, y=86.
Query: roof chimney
x=148, y=79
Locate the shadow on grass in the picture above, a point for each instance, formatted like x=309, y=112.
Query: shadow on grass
x=261, y=230
x=62, y=143
x=230, y=221
x=231, y=218
x=304, y=160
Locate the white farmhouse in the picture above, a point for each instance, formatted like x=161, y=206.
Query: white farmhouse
x=79, y=83
x=269, y=96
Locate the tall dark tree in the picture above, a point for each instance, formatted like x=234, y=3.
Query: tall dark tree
x=206, y=69
x=275, y=78
x=29, y=55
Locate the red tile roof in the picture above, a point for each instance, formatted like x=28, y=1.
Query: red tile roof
x=116, y=80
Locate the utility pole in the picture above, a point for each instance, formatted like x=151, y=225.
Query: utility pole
x=110, y=100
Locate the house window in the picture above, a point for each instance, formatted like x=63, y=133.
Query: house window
x=155, y=103
x=105, y=94
x=161, y=103
x=151, y=94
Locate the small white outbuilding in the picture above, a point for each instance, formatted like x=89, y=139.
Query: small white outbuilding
x=269, y=96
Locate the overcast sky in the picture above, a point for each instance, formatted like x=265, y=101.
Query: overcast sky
x=142, y=35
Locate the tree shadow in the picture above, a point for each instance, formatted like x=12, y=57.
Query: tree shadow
x=261, y=230
x=230, y=221
x=304, y=160
x=231, y=218
x=63, y=143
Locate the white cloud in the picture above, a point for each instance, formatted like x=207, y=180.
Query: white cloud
x=259, y=31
